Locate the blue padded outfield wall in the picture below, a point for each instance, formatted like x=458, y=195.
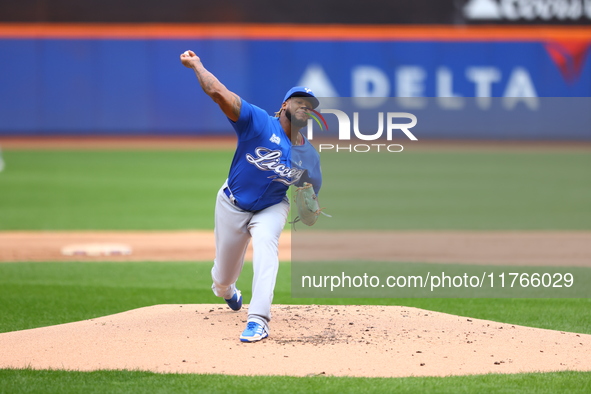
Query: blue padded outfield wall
x=138, y=86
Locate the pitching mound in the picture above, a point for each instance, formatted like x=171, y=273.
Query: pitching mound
x=367, y=341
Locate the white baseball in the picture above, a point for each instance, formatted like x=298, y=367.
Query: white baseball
x=186, y=53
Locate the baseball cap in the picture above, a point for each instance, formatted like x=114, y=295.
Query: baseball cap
x=301, y=91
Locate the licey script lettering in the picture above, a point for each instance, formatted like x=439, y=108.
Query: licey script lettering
x=270, y=160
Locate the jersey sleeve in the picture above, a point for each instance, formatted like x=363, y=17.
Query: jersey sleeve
x=315, y=176
x=310, y=161
x=251, y=122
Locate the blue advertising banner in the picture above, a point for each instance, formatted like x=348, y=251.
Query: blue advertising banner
x=138, y=86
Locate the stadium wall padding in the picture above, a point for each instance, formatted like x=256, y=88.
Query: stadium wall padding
x=131, y=86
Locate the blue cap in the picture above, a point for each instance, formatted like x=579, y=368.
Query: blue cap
x=301, y=91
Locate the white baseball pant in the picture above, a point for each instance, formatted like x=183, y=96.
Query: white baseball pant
x=234, y=229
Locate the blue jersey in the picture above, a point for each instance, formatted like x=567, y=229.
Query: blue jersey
x=262, y=169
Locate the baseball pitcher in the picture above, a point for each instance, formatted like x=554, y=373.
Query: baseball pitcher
x=270, y=156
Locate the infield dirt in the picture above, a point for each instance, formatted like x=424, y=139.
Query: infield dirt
x=560, y=248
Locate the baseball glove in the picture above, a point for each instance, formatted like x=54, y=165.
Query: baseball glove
x=307, y=203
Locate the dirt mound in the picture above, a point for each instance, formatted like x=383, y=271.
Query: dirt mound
x=370, y=341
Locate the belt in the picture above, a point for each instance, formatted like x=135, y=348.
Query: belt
x=228, y=193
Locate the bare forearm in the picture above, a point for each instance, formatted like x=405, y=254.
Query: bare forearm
x=209, y=83
x=228, y=101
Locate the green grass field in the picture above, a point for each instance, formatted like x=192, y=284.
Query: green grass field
x=12, y=381
x=50, y=190
x=152, y=190
x=110, y=190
